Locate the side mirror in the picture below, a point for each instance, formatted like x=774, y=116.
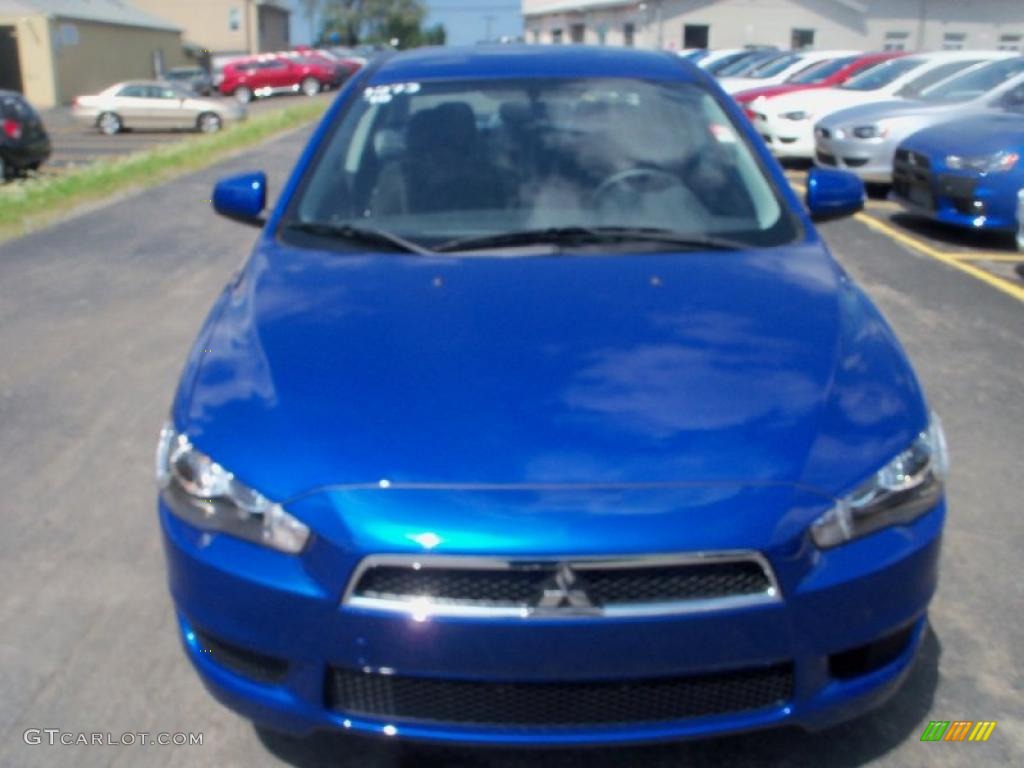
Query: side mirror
x=242, y=197
x=833, y=193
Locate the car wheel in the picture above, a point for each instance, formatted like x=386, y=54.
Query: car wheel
x=109, y=123
x=243, y=94
x=311, y=86
x=3, y=170
x=209, y=122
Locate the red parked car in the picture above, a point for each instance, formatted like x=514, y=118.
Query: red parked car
x=277, y=73
x=827, y=74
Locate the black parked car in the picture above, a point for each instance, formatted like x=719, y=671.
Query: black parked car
x=24, y=144
x=196, y=79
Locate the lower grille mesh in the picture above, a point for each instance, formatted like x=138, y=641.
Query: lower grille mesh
x=555, y=705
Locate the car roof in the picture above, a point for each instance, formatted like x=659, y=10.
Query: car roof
x=531, y=61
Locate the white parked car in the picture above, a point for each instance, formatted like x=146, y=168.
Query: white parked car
x=780, y=70
x=787, y=122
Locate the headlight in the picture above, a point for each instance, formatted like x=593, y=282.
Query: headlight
x=201, y=492
x=797, y=115
x=902, y=490
x=994, y=163
x=870, y=131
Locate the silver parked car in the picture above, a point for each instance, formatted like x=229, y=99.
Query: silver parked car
x=151, y=105
x=864, y=139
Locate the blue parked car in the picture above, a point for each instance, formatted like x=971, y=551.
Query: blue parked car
x=967, y=173
x=541, y=414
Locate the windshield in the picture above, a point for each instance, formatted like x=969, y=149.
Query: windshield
x=932, y=76
x=775, y=66
x=881, y=75
x=820, y=72
x=972, y=84
x=437, y=161
x=742, y=66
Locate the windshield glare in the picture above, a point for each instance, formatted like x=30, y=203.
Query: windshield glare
x=977, y=82
x=437, y=161
x=881, y=75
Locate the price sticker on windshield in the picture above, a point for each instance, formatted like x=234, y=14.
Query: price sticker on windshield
x=382, y=94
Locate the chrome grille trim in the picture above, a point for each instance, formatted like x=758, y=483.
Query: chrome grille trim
x=421, y=608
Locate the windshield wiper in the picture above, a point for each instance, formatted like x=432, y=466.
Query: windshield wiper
x=587, y=235
x=359, y=234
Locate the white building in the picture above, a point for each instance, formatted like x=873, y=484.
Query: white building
x=859, y=24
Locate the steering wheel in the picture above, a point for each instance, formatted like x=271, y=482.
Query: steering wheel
x=639, y=179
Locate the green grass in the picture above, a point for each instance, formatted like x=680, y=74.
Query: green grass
x=33, y=203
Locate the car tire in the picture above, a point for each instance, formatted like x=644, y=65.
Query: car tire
x=209, y=122
x=243, y=94
x=3, y=170
x=109, y=123
x=310, y=86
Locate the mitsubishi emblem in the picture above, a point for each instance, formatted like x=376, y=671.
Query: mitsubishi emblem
x=565, y=593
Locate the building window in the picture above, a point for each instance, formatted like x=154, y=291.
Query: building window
x=953, y=41
x=602, y=34
x=535, y=35
x=696, y=35
x=801, y=38
x=1010, y=42
x=556, y=36
x=577, y=32
x=896, y=41
x=629, y=34
x=234, y=19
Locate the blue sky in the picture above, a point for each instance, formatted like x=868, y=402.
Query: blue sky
x=465, y=20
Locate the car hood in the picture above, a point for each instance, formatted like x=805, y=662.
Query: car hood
x=325, y=369
x=822, y=101
x=981, y=134
x=893, y=109
x=772, y=91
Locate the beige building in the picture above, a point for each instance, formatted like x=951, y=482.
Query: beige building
x=223, y=27
x=54, y=50
x=840, y=24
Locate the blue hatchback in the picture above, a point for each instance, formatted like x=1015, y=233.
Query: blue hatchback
x=541, y=414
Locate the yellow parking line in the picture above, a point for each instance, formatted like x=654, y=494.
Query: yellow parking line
x=973, y=256
x=1014, y=291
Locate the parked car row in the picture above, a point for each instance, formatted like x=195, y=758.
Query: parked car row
x=944, y=129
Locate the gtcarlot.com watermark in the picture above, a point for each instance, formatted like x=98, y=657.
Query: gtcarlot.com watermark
x=55, y=736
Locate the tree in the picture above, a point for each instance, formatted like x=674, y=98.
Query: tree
x=380, y=21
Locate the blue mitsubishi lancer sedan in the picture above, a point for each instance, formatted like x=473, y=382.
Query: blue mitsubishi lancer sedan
x=540, y=414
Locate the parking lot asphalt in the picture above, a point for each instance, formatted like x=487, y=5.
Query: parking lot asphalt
x=75, y=144
x=96, y=315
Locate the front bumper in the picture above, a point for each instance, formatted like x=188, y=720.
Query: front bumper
x=960, y=198
x=275, y=607
x=870, y=159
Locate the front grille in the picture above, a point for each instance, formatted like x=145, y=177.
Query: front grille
x=642, y=585
x=553, y=705
x=854, y=162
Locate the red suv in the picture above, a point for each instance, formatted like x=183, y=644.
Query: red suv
x=265, y=75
